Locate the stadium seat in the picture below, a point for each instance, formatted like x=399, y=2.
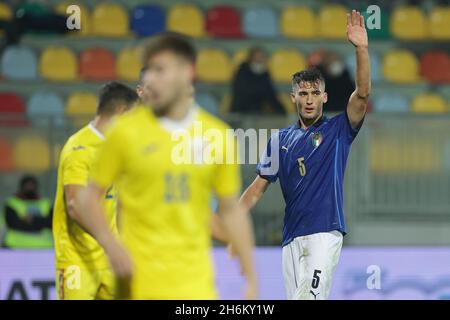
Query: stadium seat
x=80, y=107
x=86, y=25
x=19, y=63
x=81, y=103
x=375, y=66
x=391, y=102
x=223, y=22
x=128, y=64
x=298, y=22
x=208, y=102
x=260, y=22
x=284, y=63
x=45, y=108
x=401, y=66
x=110, y=20
x=213, y=65
x=12, y=110
x=333, y=21
x=5, y=12
x=187, y=19
x=147, y=20
x=435, y=66
x=6, y=160
x=408, y=23
x=31, y=154
x=439, y=23
x=239, y=57
x=58, y=64
x=97, y=64
x=428, y=103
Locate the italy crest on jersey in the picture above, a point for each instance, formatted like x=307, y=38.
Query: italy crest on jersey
x=316, y=139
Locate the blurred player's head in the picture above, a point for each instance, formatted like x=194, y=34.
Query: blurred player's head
x=168, y=74
x=308, y=94
x=257, y=59
x=115, y=98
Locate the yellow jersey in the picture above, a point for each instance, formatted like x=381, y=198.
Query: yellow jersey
x=165, y=212
x=73, y=245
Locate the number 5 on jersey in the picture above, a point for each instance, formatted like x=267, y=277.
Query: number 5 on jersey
x=301, y=166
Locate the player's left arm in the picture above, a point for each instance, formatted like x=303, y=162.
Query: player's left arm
x=218, y=230
x=357, y=35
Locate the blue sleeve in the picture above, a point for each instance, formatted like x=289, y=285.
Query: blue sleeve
x=345, y=128
x=268, y=165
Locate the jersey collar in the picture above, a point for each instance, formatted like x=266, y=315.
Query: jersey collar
x=315, y=125
x=184, y=124
x=96, y=131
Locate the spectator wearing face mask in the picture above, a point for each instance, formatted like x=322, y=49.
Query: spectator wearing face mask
x=252, y=87
x=28, y=218
x=337, y=77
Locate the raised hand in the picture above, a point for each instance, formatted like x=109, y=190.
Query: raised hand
x=356, y=30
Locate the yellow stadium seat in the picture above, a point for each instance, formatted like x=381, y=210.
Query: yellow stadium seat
x=128, y=64
x=213, y=65
x=286, y=101
x=32, y=154
x=284, y=63
x=298, y=22
x=58, y=64
x=388, y=155
x=409, y=23
x=86, y=27
x=439, y=23
x=333, y=21
x=401, y=66
x=110, y=20
x=428, y=103
x=239, y=57
x=81, y=106
x=5, y=12
x=187, y=19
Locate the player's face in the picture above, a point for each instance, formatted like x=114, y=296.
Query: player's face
x=168, y=79
x=309, y=98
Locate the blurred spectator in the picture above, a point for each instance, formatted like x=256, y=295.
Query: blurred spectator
x=35, y=15
x=339, y=83
x=252, y=86
x=28, y=218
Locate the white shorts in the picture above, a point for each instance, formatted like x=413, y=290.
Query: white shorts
x=308, y=265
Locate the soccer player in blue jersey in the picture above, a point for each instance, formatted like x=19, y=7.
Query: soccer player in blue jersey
x=309, y=160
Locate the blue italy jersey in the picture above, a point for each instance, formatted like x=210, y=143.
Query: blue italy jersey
x=310, y=167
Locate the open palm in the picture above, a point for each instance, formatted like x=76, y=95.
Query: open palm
x=356, y=30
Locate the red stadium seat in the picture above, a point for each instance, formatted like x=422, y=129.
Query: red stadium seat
x=435, y=66
x=97, y=64
x=6, y=162
x=224, y=22
x=12, y=110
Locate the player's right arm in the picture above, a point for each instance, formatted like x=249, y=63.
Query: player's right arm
x=254, y=192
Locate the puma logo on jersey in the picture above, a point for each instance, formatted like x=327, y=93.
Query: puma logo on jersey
x=284, y=148
x=314, y=294
x=78, y=148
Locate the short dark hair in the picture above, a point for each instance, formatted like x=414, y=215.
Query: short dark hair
x=113, y=95
x=170, y=41
x=309, y=75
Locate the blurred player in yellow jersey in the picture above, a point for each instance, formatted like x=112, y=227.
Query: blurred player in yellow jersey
x=82, y=268
x=164, y=249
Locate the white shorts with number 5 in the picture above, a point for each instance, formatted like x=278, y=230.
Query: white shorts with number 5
x=309, y=263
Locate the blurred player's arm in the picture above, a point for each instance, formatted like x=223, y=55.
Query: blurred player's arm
x=357, y=35
x=218, y=231
x=72, y=195
x=240, y=232
x=254, y=192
